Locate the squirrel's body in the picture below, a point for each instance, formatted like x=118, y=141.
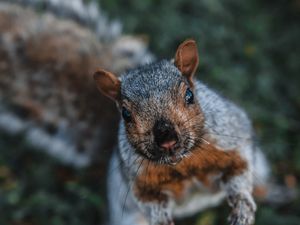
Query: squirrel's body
x=228, y=133
x=178, y=153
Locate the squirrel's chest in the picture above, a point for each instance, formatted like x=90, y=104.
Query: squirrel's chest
x=159, y=182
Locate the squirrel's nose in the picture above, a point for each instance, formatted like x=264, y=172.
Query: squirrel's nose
x=164, y=134
x=168, y=145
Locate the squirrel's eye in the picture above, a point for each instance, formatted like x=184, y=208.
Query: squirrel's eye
x=126, y=114
x=189, y=96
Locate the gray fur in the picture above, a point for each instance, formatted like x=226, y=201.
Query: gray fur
x=225, y=123
x=153, y=79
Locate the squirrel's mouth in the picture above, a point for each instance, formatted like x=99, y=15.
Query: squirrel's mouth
x=174, y=160
x=171, y=159
x=159, y=156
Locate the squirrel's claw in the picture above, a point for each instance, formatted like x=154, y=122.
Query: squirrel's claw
x=170, y=222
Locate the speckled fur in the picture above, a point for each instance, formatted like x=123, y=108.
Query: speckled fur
x=47, y=93
x=149, y=90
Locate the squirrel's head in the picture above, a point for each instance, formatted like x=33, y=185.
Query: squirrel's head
x=162, y=117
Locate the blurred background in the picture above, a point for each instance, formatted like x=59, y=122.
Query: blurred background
x=57, y=131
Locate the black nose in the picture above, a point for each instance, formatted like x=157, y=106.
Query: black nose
x=165, y=134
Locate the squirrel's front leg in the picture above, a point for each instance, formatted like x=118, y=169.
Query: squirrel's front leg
x=239, y=196
x=160, y=214
x=243, y=209
x=157, y=207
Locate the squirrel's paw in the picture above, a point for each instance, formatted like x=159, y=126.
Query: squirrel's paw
x=169, y=222
x=243, y=210
x=162, y=220
x=161, y=216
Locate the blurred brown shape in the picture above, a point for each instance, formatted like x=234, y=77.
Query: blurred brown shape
x=46, y=85
x=290, y=181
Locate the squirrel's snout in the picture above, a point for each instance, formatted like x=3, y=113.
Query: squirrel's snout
x=165, y=134
x=168, y=145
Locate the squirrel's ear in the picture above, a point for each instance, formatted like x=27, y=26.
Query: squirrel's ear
x=187, y=59
x=108, y=84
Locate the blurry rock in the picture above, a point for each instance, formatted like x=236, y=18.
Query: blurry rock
x=46, y=85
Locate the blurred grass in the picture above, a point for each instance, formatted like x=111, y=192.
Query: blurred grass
x=249, y=51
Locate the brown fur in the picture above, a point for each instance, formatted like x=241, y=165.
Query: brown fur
x=155, y=182
x=108, y=84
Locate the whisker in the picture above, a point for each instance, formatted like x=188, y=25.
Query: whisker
x=130, y=186
x=193, y=117
x=120, y=164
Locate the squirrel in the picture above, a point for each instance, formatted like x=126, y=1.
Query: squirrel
x=181, y=146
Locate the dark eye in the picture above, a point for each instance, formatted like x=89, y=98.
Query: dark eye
x=126, y=114
x=189, y=96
